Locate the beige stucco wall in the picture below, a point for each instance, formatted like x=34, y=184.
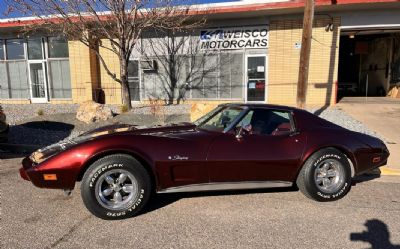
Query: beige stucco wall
x=284, y=59
x=80, y=68
x=111, y=88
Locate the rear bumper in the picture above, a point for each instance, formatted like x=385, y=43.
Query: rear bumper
x=370, y=161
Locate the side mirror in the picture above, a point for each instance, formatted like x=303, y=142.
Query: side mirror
x=243, y=130
x=239, y=133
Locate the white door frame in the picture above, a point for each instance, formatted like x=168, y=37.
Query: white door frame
x=45, y=98
x=246, y=79
x=37, y=61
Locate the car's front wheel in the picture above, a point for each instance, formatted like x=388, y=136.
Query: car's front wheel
x=325, y=176
x=115, y=187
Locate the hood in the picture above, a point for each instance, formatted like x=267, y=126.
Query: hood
x=51, y=150
x=135, y=129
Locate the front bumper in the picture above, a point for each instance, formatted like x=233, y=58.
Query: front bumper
x=46, y=176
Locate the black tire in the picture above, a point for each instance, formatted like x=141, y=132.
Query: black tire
x=96, y=180
x=309, y=178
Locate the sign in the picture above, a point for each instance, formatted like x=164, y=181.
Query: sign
x=234, y=38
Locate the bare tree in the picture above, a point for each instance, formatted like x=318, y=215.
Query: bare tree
x=120, y=22
x=182, y=64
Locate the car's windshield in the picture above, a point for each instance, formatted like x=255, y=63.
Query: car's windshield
x=219, y=119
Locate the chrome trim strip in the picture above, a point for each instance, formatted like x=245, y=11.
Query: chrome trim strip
x=215, y=186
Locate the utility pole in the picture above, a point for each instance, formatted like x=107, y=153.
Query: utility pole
x=305, y=53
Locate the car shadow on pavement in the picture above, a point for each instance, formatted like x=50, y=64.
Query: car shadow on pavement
x=365, y=178
x=162, y=200
x=377, y=234
x=27, y=137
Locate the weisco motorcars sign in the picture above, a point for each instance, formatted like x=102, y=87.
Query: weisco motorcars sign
x=234, y=38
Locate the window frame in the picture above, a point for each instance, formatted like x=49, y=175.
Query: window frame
x=49, y=75
x=24, y=48
x=7, y=62
x=47, y=46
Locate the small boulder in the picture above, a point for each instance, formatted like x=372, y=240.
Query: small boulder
x=91, y=111
x=198, y=110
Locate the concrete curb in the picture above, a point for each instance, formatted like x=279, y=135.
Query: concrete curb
x=386, y=171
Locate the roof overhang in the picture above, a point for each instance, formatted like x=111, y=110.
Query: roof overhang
x=249, y=8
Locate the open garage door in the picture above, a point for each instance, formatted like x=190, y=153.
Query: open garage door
x=369, y=62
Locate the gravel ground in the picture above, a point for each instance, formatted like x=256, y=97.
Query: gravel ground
x=18, y=113
x=59, y=123
x=339, y=117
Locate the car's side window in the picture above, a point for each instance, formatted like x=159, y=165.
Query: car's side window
x=267, y=122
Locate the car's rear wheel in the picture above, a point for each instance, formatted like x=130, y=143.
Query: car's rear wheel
x=325, y=176
x=115, y=187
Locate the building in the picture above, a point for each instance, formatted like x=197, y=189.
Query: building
x=250, y=49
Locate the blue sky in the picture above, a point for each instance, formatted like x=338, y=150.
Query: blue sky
x=3, y=5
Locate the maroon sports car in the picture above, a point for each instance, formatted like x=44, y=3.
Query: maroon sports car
x=236, y=146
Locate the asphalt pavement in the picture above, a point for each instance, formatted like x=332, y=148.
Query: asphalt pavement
x=369, y=217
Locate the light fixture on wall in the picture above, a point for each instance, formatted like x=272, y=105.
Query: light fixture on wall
x=352, y=36
x=329, y=27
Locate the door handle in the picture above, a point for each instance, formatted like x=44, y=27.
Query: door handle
x=295, y=133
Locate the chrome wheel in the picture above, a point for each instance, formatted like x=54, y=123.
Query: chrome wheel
x=116, y=189
x=329, y=176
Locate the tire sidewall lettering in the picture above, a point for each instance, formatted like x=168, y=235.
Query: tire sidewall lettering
x=334, y=196
x=100, y=171
x=325, y=157
x=134, y=205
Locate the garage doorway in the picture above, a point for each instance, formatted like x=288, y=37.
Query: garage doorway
x=369, y=62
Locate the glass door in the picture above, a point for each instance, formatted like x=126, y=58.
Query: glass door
x=256, y=78
x=38, y=82
x=37, y=70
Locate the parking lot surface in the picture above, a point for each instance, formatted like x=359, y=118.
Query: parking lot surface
x=39, y=218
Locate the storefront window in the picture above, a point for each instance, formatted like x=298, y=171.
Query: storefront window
x=231, y=76
x=4, y=94
x=220, y=76
x=17, y=80
x=60, y=79
x=13, y=71
x=133, y=80
x=214, y=76
x=15, y=49
x=35, y=49
x=58, y=47
x=1, y=50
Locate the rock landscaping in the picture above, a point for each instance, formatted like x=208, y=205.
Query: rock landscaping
x=91, y=111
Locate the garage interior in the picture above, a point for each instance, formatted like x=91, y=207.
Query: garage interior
x=369, y=63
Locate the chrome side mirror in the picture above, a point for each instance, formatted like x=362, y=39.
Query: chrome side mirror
x=244, y=130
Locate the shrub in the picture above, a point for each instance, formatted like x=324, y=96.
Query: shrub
x=40, y=112
x=123, y=108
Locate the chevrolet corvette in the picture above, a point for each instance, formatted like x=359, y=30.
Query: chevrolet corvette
x=235, y=146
